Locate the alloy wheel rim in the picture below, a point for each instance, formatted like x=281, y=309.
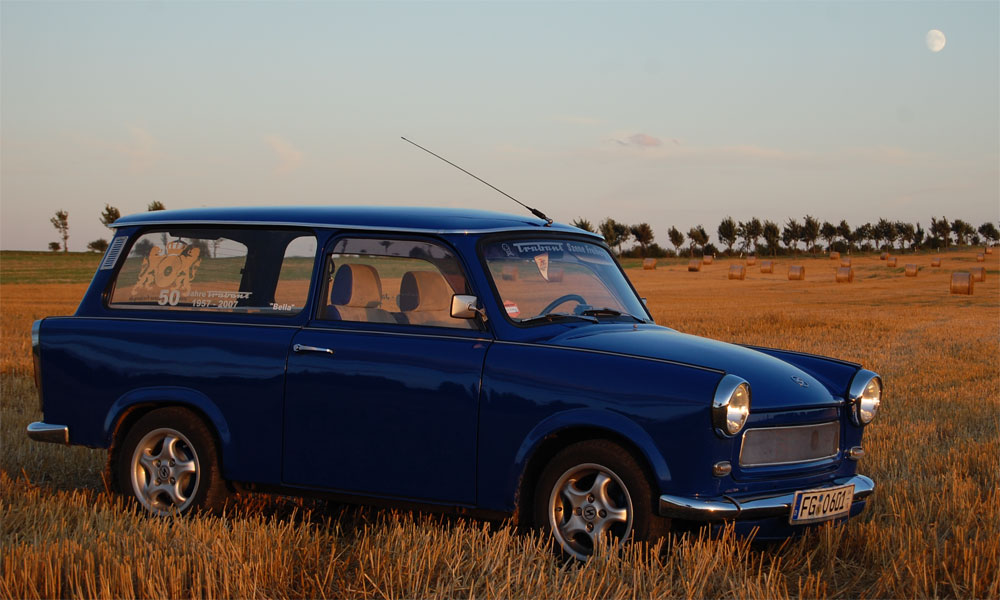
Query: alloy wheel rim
x=588, y=503
x=165, y=471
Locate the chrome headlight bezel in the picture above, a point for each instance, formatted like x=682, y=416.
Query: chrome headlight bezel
x=731, y=406
x=865, y=397
x=36, y=359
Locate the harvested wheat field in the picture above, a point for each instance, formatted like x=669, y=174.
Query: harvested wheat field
x=932, y=528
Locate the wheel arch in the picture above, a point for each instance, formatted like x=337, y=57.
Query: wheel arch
x=131, y=407
x=540, y=448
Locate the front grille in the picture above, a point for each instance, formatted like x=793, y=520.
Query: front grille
x=789, y=445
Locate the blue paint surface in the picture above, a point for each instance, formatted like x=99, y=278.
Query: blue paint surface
x=430, y=414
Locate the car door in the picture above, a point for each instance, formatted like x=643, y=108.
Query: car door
x=382, y=387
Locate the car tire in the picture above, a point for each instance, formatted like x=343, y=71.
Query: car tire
x=169, y=462
x=594, y=490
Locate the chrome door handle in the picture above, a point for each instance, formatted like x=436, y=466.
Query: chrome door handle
x=302, y=348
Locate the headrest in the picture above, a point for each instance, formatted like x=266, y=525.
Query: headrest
x=424, y=290
x=357, y=286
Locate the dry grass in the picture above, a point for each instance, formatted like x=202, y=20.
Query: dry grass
x=931, y=530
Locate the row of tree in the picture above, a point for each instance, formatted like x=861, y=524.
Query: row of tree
x=767, y=237
x=752, y=236
x=109, y=215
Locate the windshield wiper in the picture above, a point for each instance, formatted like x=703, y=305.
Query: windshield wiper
x=593, y=312
x=554, y=316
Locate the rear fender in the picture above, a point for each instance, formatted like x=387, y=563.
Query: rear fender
x=167, y=396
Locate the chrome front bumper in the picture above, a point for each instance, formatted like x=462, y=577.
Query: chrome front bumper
x=755, y=507
x=44, y=432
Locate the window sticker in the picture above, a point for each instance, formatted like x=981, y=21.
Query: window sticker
x=512, y=310
x=538, y=247
x=215, y=298
x=162, y=274
x=542, y=262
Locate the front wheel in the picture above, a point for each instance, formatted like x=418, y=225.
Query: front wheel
x=593, y=491
x=169, y=462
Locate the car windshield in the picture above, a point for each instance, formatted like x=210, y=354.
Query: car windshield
x=554, y=279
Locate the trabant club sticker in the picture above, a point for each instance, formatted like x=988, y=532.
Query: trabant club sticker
x=542, y=262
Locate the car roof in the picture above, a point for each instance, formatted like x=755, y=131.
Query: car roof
x=383, y=218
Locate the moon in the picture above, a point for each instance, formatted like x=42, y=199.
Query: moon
x=935, y=40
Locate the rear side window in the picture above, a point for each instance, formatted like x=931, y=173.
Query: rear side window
x=217, y=270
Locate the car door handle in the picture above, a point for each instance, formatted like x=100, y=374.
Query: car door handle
x=303, y=348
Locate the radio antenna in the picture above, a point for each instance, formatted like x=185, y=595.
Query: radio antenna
x=533, y=211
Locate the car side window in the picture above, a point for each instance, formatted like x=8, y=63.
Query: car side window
x=392, y=281
x=217, y=270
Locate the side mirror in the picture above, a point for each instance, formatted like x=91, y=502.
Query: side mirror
x=464, y=307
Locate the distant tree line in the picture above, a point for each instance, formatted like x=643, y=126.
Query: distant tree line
x=109, y=215
x=738, y=237
x=792, y=237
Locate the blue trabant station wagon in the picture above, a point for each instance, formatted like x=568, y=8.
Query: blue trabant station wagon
x=475, y=361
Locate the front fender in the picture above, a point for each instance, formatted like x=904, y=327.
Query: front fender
x=609, y=421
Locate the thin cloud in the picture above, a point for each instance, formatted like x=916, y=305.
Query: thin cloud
x=640, y=140
x=289, y=158
x=886, y=154
x=140, y=148
x=645, y=147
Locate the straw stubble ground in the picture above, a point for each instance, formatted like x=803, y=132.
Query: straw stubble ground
x=931, y=530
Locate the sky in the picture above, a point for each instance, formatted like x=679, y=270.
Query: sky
x=671, y=113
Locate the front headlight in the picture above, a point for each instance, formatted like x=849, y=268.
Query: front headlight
x=731, y=405
x=866, y=396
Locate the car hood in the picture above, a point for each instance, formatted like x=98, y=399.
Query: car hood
x=774, y=383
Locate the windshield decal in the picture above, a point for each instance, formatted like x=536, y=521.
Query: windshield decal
x=542, y=262
x=537, y=247
x=512, y=310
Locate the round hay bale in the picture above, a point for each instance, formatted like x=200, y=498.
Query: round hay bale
x=751, y=261
x=988, y=250
x=845, y=262
x=767, y=266
x=649, y=264
x=936, y=262
x=891, y=261
x=509, y=273
x=980, y=257
x=911, y=270
x=845, y=275
x=694, y=265
x=883, y=256
x=834, y=255
x=961, y=283
x=796, y=272
x=708, y=259
x=737, y=272
x=978, y=274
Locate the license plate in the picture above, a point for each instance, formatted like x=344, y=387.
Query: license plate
x=810, y=506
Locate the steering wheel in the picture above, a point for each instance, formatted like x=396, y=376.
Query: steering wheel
x=564, y=298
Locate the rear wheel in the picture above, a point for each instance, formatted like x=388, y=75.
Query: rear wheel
x=591, y=492
x=169, y=462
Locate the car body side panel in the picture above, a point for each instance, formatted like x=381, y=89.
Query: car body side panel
x=95, y=367
x=530, y=392
x=384, y=412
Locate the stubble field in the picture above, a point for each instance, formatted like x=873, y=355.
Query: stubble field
x=931, y=530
